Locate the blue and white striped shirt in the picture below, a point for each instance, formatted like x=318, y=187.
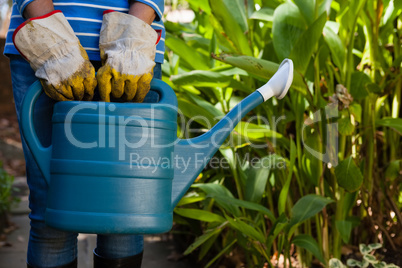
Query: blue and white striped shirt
x=85, y=17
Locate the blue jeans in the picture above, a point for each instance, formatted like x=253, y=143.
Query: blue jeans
x=49, y=247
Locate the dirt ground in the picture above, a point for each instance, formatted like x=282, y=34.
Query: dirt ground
x=11, y=154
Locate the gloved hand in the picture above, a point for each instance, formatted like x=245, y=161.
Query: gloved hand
x=127, y=46
x=57, y=57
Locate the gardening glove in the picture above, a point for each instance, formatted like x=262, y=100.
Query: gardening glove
x=127, y=47
x=57, y=57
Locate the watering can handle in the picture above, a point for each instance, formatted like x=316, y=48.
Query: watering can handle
x=40, y=153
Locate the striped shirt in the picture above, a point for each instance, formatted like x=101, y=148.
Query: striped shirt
x=85, y=17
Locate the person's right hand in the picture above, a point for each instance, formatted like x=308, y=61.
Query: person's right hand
x=57, y=57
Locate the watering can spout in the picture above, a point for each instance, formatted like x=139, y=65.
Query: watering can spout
x=192, y=155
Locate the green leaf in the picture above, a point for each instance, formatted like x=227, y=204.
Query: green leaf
x=190, y=200
x=344, y=228
x=374, y=246
x=358, y=85
x=348, y=175
x=198, y=214
x=370, y=259
x=245, y=204
x=308, y=242
x=256, y=132
x=308, y=206
x=393, y=170
x=307, y=9
x=287, y=27
x=394, y=123
x=246, y=229
x=335, y=45
x=265, y=14
x=345, y=126
x=364, y=249
x=257, y=177
x=199, y=78
x=285, y=188
x=214, y=189
x=356, y=110
x=353, y=262
x=186, y=53
x=261, y=68
x=335, y=263
x=231, y=17
x=201, y=240
x=306, y=44
x=192, y=111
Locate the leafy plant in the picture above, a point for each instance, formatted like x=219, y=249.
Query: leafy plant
x=333, y=142
x=368, y=258
x=6, y=188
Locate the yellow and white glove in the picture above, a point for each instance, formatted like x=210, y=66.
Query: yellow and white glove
x=57, y=57
x=127, y=47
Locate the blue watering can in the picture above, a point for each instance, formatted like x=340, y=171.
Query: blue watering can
x=119, y=168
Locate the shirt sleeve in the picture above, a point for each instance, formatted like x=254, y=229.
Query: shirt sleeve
x=21, y=5
x=157, y=5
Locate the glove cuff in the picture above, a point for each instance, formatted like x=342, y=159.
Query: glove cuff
x=36, y=36
x=117, y=25
x=49, y=44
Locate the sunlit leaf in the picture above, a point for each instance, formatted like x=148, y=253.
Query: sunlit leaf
x=287, y=27
x=303, y=49
x=335, y=46
x=186, y=53
x=228, y=15
x=198, y=214
x=261, y=68
x=265, y=14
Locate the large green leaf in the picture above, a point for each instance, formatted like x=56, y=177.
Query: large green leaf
x=245, y=204
x=307, y=9
x=348, y=175
x=265, y=14
x=230, y=15
x=306, y=207
x=194, y=112
x=261, y=68
x=283, y=196
x=200, y=78
x=344, y=228
x=394, y=123
x=256, y=132
x=307, y=43
x=214, y=189
x=246, y=229
x=257, y=177
x=287, y=27
x=198, y=214
x=335, y=45
x=308, y=242
x=186, y=53
x=358, y=85
x=201, y=240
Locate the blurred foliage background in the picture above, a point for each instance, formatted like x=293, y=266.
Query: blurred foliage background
x=309, y=177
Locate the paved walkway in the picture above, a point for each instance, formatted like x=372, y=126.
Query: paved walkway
x=158, y=249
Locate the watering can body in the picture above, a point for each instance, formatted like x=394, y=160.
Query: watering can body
x=119, y=167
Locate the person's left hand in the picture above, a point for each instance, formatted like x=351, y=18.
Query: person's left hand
x=127, y=46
